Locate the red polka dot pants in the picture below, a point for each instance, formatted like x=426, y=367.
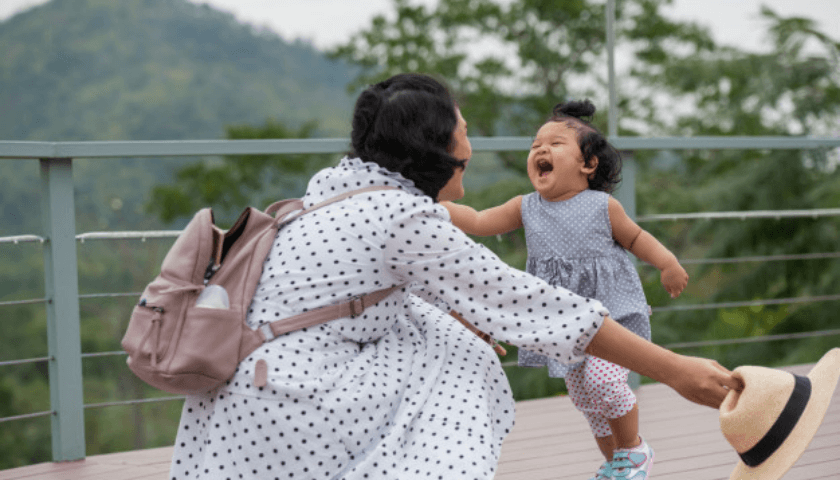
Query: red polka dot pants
x=600, y=391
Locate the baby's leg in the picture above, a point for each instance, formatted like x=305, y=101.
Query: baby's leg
x=607, y=383
x=626, y=429
x=588, y=405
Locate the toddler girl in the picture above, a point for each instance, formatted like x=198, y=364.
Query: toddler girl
x=577, y=234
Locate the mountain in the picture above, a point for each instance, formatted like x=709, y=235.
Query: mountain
x=82, y=70
x=156, y=70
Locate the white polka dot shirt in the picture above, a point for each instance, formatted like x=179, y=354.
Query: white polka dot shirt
x=402, y=391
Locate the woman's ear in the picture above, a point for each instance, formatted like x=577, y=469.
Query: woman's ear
x=590, y=168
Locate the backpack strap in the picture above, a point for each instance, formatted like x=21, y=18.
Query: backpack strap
x=284, y=207
x=352, y=308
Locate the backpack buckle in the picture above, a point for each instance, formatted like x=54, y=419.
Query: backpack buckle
x=357, y=306
x=267, y=332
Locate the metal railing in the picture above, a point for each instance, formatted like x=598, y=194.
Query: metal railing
x=61, y=297
x=58, y=236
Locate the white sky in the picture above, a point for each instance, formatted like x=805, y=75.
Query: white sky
x=328, y=22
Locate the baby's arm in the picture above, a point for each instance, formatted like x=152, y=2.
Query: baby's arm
x=492, y=221
x=647, y=248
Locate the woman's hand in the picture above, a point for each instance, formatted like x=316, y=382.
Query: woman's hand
x=703, y=381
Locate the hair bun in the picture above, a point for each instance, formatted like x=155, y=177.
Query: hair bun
x=364, y=116
x=582, y=109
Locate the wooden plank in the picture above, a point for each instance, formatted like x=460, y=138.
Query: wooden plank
x=81, y=470
x=138, y=464
x=533, y=451
x=550, y=441
x=137, y=457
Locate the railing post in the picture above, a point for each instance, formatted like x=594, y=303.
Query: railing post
x=612, y=118
x=61, y=285
x=626, y=194
x=626, y=191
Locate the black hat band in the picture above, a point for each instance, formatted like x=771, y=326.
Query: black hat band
x=780, y=430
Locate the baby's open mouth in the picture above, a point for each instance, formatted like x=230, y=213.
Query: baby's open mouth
x=544, y=167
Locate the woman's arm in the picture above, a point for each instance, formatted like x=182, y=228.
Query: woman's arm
x=700, y=380
x=647, y=248
x=512, y=306
x=492, y=221
x=487, y=338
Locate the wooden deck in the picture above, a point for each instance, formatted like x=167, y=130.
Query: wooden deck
x=686, y=439
x=550, y=441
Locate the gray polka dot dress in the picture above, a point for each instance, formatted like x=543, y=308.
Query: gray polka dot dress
x=570, y=244
x=401, y=391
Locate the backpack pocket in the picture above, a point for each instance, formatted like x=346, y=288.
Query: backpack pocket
x=208, y=343
x=145, y=338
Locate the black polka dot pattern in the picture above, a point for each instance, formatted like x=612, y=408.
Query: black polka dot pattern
x=401, y=391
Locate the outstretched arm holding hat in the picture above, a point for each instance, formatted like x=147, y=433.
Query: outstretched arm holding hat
x=700, y=380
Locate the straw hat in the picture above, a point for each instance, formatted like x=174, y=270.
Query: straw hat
x=773, y=419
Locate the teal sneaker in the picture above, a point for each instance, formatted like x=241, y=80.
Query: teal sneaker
x=632, y=463
x=603, y=473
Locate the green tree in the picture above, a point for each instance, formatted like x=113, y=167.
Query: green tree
x=794, y=89
x=543, y=52
x=155, y=70
x=236, y=181
x=531, y=54
x=510, y=62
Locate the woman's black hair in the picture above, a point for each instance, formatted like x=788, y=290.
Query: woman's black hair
x=593, y=144
x=405, y=125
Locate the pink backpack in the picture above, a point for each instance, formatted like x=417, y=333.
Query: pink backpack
x=187, y=335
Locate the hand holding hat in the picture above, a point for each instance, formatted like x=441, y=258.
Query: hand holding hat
x=773, y=419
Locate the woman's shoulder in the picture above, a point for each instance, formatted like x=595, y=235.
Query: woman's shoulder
x=354, y=174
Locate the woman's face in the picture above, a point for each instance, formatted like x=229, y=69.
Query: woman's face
x=462, y=150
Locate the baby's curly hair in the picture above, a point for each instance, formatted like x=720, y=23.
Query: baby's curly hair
x=593, y=144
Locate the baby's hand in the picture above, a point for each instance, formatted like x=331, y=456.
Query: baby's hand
x=674, y=279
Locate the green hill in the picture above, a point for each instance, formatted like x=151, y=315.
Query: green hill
x=154, y=70
x=80, y=70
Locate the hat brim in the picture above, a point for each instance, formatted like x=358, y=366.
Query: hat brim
x=823, y=383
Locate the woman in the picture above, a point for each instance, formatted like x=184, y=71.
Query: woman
x=403, y=390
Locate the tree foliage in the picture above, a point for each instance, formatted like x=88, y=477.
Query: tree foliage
x=85, y=70
x=509, y=63
x=790, y=90
x=679, y=82
x=155, y=70
x=237, y=181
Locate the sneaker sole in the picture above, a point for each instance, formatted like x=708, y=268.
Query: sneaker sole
x=650, y=464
